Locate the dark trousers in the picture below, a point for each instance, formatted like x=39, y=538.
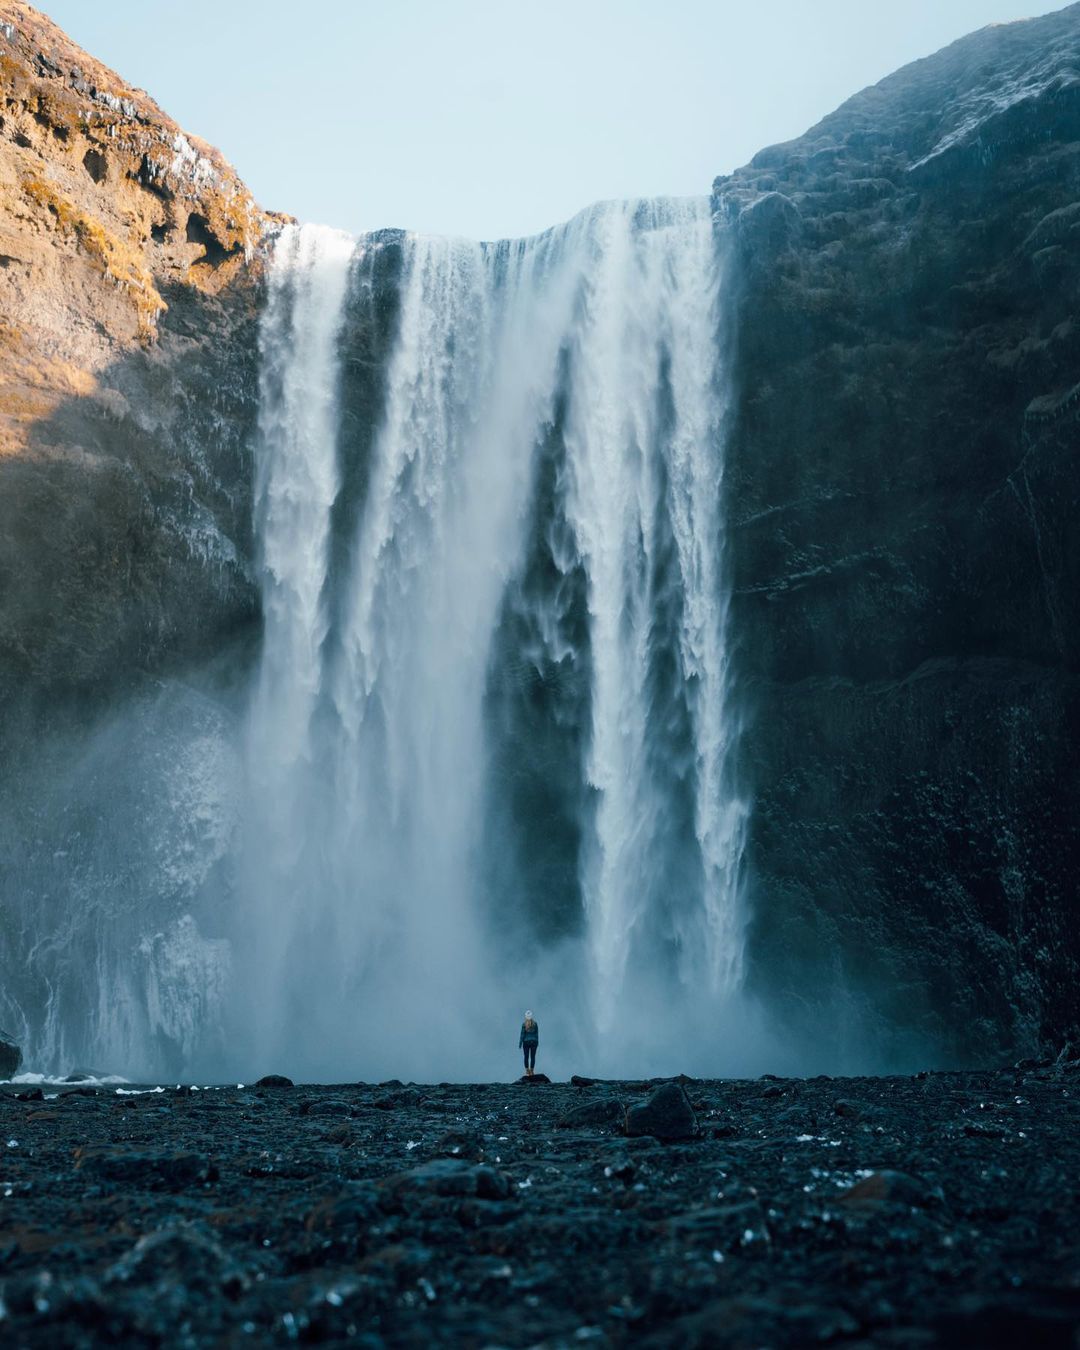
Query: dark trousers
x=530, y=1053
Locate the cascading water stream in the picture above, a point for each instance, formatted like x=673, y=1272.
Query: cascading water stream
x=515, y=671
x=296, y=483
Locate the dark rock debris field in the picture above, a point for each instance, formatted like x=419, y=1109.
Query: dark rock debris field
x=941, y=1209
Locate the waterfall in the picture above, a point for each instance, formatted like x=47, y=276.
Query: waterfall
x=296, y=483
x=490, y=737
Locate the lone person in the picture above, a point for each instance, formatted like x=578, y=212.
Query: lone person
x=528, y=1041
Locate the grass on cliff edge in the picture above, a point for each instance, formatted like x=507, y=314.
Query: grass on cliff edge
x=117, y=260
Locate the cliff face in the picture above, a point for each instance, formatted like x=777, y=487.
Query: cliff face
x=902, y=492
x=128, y=289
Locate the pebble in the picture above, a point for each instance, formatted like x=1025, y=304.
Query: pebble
x=480, y=1214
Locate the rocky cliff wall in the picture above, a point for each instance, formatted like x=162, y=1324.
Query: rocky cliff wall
x=903, y=485
x=129, y=275
x=130, y=284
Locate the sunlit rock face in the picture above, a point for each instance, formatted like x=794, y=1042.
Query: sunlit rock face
x=902, y=495
x=128, y=297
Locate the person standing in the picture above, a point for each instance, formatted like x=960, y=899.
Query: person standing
x=528, y=1041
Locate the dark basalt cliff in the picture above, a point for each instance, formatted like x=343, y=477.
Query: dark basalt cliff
x=902, y=486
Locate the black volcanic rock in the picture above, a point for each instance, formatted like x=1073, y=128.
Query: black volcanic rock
x=890, y=1187
x=772, y=1235
x=10, y=1058
x=450, y=1176
x=169, y=1171
x=901, y=490
x=606, y=1112
x=667, y=1114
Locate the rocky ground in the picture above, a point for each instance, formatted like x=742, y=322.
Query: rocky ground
x=940, y=1209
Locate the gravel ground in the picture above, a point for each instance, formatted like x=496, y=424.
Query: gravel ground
x=942, y=1209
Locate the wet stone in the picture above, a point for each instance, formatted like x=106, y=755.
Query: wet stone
x=188, y=1256
x=724, y=1228
x=331, y=1106
x=666, y=1115
x=889, y=1187
x=10, y=1058
x=169, y=1171
x=791, y=1230
x=450, y=1176
x=341, y=1223
x=606, y=1113
x=461, y=1144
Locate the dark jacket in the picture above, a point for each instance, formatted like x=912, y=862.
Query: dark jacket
x=530, y=1035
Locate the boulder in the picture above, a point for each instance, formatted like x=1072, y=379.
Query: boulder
x=188, y=1257
x=339, y=1224
x=407, y=1099
x=329, y=1106
x=621, y=1168
x=172, y=1171
x=889, y=1187
x=604, y=1112
x=274, y=1080
x=459, y=1143
x=449, y=1177
x=667, y=1114
x=722, y=1228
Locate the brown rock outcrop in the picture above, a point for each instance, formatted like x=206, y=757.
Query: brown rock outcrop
x=104, y=203
x=129, y=267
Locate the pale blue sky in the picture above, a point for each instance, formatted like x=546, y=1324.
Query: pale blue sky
x=493, y=117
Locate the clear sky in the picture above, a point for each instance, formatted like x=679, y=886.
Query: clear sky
x=499, y=117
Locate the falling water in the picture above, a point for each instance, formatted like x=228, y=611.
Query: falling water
x=297, y=480
x=490, y=739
